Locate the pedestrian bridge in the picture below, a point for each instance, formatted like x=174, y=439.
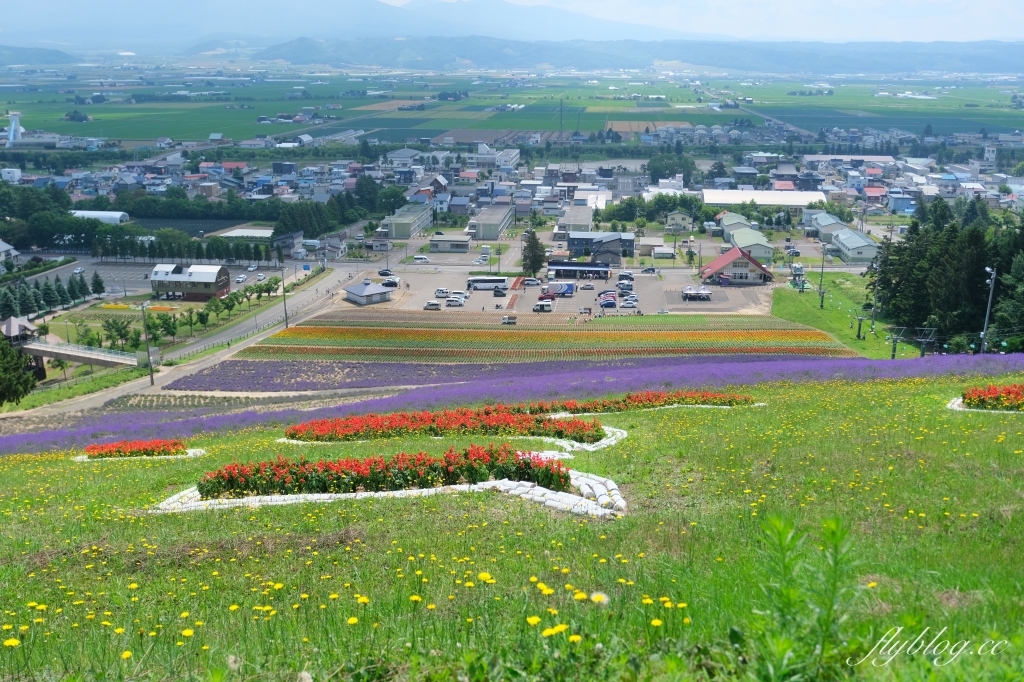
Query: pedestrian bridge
x=86, y=355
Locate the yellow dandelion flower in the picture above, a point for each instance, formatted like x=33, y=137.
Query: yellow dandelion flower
x=686, y=620
x=233, y=607
x=184, y=614
x=468, y=585
x=187, y=632
x=431, y=607
x=133, y=586
x=872, y=584
x=119, y=631
x=12, y=642
x=575, y=638
x=532, y=620
x=483, y=577
x=353, y=620
x=333, y=596
x=599, y=598
x=415, y=597
x=656, y=623
x=580, y=596
x=125, y=655
x=548, y=632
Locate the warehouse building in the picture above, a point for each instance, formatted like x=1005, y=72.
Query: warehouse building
x=491, y=222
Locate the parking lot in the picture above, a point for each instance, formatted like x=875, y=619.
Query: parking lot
x=133, y=276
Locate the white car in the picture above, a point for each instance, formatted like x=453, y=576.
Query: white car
x=260, y=277
x=241, y=278
x=628, y=304
x=460, y=294
x=531, y=282
x=78, y=271
x=455, y=302
x=420, y=259
x=252, y=268
x=441, y=292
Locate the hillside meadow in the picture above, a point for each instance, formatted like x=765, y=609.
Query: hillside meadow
x=910, y=513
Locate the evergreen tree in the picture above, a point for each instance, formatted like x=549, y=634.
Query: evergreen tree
x=8, y=304
x=50, y=297
x=97, y=283
x=62, y=293
x=82, y=286
x=37, y=296
x=73, y=288
x=1009, y=313
x=15, y=382
x=533, y=254
x=26, y=303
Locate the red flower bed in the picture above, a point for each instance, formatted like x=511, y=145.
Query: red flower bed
x=401, y=472
x=994, y=397
x=490, y=420
x=633, y=401
x=136, y=448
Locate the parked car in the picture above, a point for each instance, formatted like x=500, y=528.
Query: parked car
x=441, y=292
x=499, y=293
x=613, y=292
x=454, y=302
x=542, y=307
x=608, y=303
x=432, y=305
x=419, y=258
x=439, y=232
x=241, y=278
x=628, y=304
x=253, y=268
x=794, y=252
x=78, y=271
x=531, y=282
x=547, y=297
x=391, y=282
x=461, y=294
x=587, y=287
x=648, y=271
x=260, y=277
x=625, y=276
x=385, y=273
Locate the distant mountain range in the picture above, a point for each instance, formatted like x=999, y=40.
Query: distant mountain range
x=438, y=53
x=32, y=55
x=145, y=28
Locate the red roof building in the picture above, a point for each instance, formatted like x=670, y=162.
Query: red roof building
x=874, y=194
x=232, y=165
x=784, y=186
x=736, y=267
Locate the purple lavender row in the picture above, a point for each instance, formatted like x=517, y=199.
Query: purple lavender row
x=545, y=381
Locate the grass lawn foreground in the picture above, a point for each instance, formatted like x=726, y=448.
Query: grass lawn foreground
x=94, y=585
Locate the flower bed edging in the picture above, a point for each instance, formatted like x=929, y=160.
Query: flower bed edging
x=958, y=405
x=612, y=436
x=190, y=453
x=600, y=496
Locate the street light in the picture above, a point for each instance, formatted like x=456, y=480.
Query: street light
x=991, y=282
x=125, y=286
x=149, y=353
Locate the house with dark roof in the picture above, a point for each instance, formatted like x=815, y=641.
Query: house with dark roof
x=367, y=293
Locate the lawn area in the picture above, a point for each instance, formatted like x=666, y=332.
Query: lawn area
x=486, y=586
x=844, y=296
x=83, y=387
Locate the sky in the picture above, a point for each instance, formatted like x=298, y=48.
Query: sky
x=867, y=20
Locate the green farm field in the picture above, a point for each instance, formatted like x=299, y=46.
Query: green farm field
x=914, y=504
x=855, y=104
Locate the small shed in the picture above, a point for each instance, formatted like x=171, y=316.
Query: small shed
x=367, y=293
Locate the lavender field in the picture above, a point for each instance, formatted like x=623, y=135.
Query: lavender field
x=469, y=385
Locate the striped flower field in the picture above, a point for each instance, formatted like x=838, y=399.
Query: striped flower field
x=391, y=341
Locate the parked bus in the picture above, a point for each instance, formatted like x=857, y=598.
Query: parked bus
x=487, y=283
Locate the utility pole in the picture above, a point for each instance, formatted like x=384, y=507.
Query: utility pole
x=821, y=279
x=559, y=119
x=149, y=353
x=991, y=282
x=284, y=293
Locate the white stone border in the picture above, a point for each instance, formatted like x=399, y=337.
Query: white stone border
x=190, y=453
x=599, y=498
x=958, y=405
x=612, y=436
x=563, y=415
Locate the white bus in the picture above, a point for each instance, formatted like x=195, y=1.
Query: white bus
x=487, y=283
